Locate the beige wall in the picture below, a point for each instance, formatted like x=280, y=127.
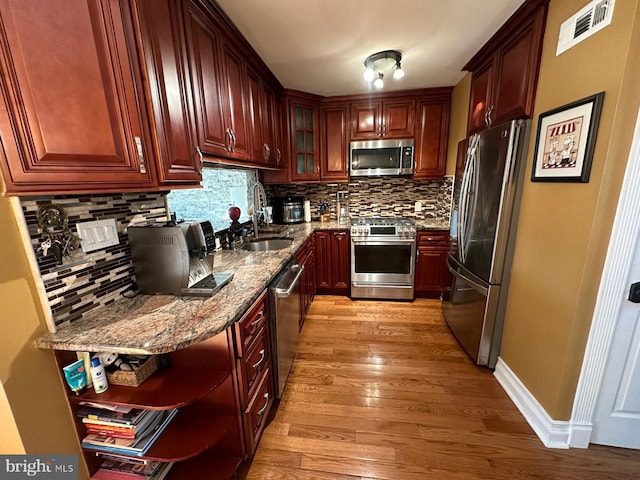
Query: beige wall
x=564, y=228
x=458, y=123
x=35, y=413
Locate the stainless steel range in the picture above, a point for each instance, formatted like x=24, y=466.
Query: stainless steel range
x=383, y=251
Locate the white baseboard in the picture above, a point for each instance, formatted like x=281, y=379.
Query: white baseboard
x=552, y=433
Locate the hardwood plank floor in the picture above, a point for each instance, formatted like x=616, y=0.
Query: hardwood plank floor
x=381, y=390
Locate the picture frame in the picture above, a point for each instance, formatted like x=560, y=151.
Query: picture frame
x=565, y=141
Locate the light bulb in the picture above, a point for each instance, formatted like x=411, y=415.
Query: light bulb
x=398, y=72
x=379, y=82
x=368, y=74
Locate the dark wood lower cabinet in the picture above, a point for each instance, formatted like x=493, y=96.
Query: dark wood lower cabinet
x=222, y=388
x=333, y=265
x=432, y=275
x=306, y=258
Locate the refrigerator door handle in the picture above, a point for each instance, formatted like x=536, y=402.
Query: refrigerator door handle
x=464, y=195
x=456, y=268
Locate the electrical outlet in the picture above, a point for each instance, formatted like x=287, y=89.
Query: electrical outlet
x=417, y=208
x=98, y=234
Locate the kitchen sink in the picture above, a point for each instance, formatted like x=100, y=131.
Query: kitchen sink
x=268, y=244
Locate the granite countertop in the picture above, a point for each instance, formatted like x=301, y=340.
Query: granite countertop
x=153, y=324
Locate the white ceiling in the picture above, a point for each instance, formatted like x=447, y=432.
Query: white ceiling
x=319, y=46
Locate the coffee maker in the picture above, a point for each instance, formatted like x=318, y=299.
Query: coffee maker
x=175, y=259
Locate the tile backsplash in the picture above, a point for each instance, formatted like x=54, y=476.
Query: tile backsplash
x=379, y=197
x=86, y=281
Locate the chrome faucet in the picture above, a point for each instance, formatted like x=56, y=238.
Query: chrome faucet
x=259, y=205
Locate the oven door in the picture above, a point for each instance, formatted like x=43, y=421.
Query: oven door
x=378, y=259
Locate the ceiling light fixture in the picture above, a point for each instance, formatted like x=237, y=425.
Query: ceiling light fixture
x=380, y=62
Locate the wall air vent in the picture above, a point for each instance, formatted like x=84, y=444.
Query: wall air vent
x=589, y=20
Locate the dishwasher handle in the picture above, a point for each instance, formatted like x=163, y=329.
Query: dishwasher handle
x=286, y=290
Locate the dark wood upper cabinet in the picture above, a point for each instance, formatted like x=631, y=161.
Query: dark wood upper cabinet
x=234, y=100
x=378, y=119
x=505, y=70
x=73, y=116
x=302, y=119
x=334, y=141
x=432, y=135
x=169, y=85
x=257, y=118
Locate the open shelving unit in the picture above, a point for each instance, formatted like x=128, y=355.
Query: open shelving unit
x=206, y=434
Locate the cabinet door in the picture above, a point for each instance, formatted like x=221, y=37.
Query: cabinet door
x=73, y=113
x=334, y=144
x=432, y=137
x=398, y=119
x=366, y=121
x=324, y=270
x=304, y=142
x=341, y=261
x=204, y=47
x=517, y=72
x=480, y=100
x=255, y=96
x=428, y=269
x=164, y=42
x=235, y=101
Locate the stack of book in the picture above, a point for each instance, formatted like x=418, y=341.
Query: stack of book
x=122, y=430
x=130, y=470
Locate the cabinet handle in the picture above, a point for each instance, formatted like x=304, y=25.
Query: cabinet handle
x=268, y=152
x=257, y=320
x=233, y=140
x=200, y=161
x=143, y=167
x=227, y=135
x=488, y=116
x=266, y=402
x=262, y=356
x=278, y=156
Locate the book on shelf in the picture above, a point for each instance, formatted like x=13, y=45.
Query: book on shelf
x=107, y=406
x=131, y=416
x=131, y=470
x=157, y=472
x=111, y=433
x=145, y=419
x=132, y=446
x=123, y=458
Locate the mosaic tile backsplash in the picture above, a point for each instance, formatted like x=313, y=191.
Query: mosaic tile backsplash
x=86, y=281
x=378, y=197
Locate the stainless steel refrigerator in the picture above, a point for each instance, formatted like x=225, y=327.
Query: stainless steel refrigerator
x=484, y=220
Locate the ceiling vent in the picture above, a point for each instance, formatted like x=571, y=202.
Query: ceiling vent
x=589, y=20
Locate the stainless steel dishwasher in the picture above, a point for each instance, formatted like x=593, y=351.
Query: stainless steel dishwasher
x=284, y=297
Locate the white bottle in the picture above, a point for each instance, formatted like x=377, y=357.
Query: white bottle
x=98, y=376
x=307, y=210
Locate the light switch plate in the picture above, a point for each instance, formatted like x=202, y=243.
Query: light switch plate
x=98, y=234
x=417, y=208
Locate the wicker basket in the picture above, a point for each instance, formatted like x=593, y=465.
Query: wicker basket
x=136, y=377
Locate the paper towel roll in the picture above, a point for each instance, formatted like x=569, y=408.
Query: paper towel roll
x=307, y=211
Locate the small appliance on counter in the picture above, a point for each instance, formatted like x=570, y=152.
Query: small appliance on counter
x=175, y=259
x=288, y=210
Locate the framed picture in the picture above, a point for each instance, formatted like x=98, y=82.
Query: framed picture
x=566, y=140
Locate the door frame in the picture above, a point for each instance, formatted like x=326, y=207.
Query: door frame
x=625, y=237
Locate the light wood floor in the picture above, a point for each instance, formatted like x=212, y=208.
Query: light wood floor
x=382, y=391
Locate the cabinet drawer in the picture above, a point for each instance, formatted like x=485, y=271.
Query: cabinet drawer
x=250, y=324
x=255, y=416
x=253, y=365
x=429, y=238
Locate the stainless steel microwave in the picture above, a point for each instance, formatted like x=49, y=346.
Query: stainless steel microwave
x=376, y=158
